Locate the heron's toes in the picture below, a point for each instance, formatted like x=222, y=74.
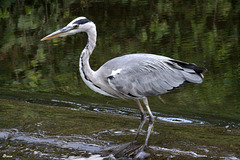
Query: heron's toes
x=124, y=149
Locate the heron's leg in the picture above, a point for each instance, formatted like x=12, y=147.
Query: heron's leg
x=124, y=150
x=139, y=153
x=151, y=120
x=143, y=119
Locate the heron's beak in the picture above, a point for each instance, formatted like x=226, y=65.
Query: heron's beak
x=59, y=33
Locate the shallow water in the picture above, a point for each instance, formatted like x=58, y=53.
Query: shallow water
x=71, y=130
x=47, y=112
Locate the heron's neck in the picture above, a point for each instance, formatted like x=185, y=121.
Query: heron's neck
x=86, y=72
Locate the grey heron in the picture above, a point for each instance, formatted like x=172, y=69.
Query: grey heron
x=133, y=76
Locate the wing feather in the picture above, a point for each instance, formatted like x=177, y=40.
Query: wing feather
x=147, y=75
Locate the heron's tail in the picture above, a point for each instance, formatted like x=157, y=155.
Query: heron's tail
x=191, y=72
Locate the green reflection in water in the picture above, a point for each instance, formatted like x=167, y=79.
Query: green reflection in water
x=205, y=33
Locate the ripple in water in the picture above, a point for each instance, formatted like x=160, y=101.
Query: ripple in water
x=128, y=111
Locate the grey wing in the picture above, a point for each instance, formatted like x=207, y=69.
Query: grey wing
x=152, y=77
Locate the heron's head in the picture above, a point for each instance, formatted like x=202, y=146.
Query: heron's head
x=80, y=24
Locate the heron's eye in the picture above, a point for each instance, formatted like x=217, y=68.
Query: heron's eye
x=75, y=27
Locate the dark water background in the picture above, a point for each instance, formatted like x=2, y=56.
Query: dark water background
x=42, y=94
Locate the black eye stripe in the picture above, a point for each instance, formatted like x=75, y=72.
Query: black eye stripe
x=82, y=21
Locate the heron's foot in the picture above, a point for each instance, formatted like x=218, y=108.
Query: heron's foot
x=125, y=149
x=140, y=154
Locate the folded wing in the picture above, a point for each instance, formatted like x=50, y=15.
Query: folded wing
x=154, y=76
